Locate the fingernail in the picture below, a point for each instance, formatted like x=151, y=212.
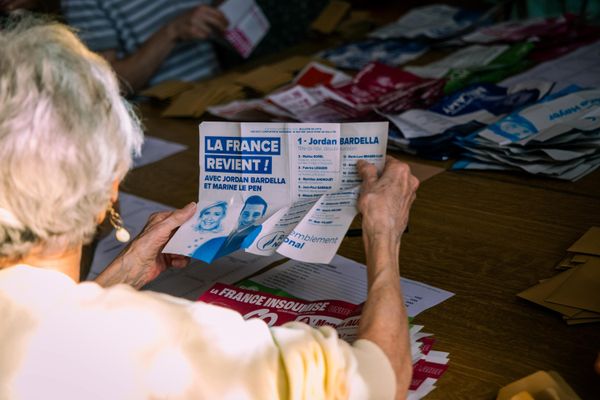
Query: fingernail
x=190, y=205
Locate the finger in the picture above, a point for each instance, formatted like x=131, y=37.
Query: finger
x=367, y=171
x=200, y=31
x=216, y=22
x=216, y=16
x=179, y=262
x=178, y=217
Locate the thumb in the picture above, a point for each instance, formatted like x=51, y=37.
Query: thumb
x=178, y=217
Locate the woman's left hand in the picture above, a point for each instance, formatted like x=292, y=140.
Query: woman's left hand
x=142, y=260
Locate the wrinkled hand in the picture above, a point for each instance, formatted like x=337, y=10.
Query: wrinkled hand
x=142, y=261
x=198, y=23
x=385, y=201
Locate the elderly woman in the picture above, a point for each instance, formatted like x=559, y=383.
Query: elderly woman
x=66, y=139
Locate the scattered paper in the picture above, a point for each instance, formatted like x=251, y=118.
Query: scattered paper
x=434, y=22
x=346, y=280
x=198, y=277
x=579, y=67
x=247, y=25
x=155, y=149
x=471, y=56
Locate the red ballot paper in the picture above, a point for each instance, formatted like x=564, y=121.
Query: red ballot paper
x=377, y=80
x=277, y=310
x=423, y=369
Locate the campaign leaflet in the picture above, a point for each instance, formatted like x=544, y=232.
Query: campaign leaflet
x=289, y=188
x=277, y=310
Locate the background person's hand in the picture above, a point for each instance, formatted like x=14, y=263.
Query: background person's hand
x=385, y=201
x=142, y=261
x=199, y=23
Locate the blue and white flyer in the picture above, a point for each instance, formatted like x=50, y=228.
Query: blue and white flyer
x=289, y=188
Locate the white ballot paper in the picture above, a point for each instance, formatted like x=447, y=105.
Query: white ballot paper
x=247, y=25
x=289, y=188
x=155, y=149
x=346, y=280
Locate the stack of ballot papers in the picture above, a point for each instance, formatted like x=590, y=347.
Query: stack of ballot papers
x=575, y=292
x=557, y=137
x=332, y=295
x=431, y=131
x=437, y=21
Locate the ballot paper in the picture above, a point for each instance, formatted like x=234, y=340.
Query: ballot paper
x=557, y=137
x=155, y=149
x=471, y=56
x=357, y=55
x=484, y=103
x=289, y=188
x=331, y=297
x=198, y=277
x=345, y=280
x=579, y=67
x=247, y=25
x=135, y=212
x=436, y=21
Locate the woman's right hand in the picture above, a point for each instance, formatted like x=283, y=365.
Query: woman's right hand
x=385, y=201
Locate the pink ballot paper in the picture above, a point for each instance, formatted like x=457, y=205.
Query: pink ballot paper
x=247, y=25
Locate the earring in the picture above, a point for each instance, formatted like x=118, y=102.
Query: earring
x=116, y=221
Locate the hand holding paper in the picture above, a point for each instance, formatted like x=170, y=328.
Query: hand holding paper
x=142, y=261
x=289, y=188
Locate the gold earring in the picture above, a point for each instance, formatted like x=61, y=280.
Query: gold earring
x=116, y=221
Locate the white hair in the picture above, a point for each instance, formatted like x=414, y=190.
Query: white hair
x=66, y=135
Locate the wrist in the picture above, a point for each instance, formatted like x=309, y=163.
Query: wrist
x=171, y=31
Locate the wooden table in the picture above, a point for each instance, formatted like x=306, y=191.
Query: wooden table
x=483, y=235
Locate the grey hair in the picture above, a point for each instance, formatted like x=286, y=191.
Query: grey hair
x=65, y=135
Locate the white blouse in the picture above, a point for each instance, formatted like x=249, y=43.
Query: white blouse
x=62, y=340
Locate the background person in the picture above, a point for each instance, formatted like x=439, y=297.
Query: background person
x=150, y=41
x=61, y=339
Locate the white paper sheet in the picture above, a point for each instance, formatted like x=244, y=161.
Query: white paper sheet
x=155, y=149
x=471, y=56
x=247, y=25
x=579, y=67
x=198, y=277
x=135, y=212
x=343, y=279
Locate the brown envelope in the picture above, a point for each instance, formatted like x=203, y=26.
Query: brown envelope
x=331, y=16
x=292, y=64
x=581, y=289
x=589, y=243
x=264, y=79
x=538, y=294
x=167, y=89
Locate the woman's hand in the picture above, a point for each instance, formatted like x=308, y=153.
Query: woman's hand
x=142, y=261
x=198, y=23
x=385, y=201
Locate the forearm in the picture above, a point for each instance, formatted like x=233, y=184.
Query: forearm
x=384, y=320
x=120, y=272
x=137, y=68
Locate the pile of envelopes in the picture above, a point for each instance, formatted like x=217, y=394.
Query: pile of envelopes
x=575, y=292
